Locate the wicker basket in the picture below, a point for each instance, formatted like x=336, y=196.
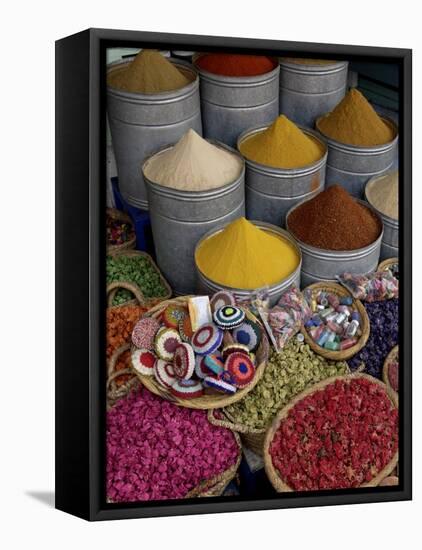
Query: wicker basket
x=211, y=399
x=115, y=391
x=252, y=438
x=390, y=357
x=121, y=216
x=273, y=475
x=213, y=487
x=340, y=355
x=129, y=285
x=383, y=266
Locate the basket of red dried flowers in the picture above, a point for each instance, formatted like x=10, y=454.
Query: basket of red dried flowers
x=168, y=452
x=120, y=231
x=341, y=433
x=390, y=371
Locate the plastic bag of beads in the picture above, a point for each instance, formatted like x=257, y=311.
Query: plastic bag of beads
x=381, y=285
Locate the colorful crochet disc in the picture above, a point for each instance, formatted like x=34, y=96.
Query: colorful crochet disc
x=215, y=363
x=184, y=361
x=221, y=299
x=219, y=385
x=241, y=368
x=233, y=348
x=172, y=315
x=187, y=389
x=185, y=329
x=201, y=370
x=248, y=334
x=166, y=341
x=207, y=339
x=228, y=317
x=143, y=361
x=164, y=373
x=144, y=332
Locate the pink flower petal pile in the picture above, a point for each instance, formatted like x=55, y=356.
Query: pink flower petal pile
x=156, y=450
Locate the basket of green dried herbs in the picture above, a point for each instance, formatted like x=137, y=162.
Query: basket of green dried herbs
x=138, y=270
x=287, y=373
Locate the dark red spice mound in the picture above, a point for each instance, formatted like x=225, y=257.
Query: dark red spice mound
x=333, y=220
x=236, y=65
x=339, y=437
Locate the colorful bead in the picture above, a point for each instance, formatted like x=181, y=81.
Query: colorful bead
x=241, y=368
x=143, y=361
x=184, y=361
x=207, y=339
x=229, y=317
x=144, y=332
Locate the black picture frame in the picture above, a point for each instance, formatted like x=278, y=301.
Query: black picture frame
x=80, y=274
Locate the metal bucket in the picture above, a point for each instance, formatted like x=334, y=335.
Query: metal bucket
x=351, y=166
x=309, y=91
x=271, y=192
x=143, y=123
x=209, y=287
x=180, y=218
x=232, y=104
x=390, y=240
x=323, y=265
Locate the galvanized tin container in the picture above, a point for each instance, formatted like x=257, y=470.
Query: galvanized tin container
x=324, y=265
x=232, y=104
x=143, y=123
x=180, y=218
x=351, y=166
x=207, y=286
x=271, y=192
x=309, y=91
x=390, y=240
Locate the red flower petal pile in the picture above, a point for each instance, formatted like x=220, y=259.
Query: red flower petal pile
x=156, y=450
x=339, y=437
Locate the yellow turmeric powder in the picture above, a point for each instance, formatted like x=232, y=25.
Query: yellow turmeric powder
x=354, y=121
x=245, y=257
x=282, y=145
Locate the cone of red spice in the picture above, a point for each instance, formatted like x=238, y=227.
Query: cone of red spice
x=226, y=64
x=334, y=220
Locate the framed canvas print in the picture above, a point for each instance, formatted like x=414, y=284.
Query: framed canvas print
x=233, y=274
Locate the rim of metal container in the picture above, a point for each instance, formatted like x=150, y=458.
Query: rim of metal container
x=314, y=69
x=240, y=81
x=361, y=149
x=269, y=227
x=195, y=196
x=386, y=219
x=283, y=172
x=322, y=253
x=154, y=98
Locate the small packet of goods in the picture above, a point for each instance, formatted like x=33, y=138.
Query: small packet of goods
x=199, y=311
x=259, y=301
x=381, y=285
x=285, y=319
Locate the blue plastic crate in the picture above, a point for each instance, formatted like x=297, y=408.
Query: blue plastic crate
x=140, y=219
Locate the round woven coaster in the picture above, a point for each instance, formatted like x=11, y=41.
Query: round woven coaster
x=144, y=332
x=201, y=370
x=184, y=361
x=228, y=317
x=214, y=363
x=207, y=339
x=164, y=373
x=219, y=384
x=187, y=389
x=166, y=341
x=185, y=329
x=222, y=298
x=248, y=334
x=241, y=368
x=234, y=348
x=172, y=315
x=143, y=361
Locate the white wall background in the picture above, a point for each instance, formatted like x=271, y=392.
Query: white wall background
x=27, y=37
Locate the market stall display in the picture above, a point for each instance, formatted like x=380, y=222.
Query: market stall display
x=322, y=440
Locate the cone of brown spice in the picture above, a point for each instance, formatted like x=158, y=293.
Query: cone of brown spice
x=333, y=220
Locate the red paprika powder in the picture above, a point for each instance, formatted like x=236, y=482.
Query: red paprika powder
x=236, y=65
x=333, y=220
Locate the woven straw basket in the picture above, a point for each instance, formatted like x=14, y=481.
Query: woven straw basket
x=211, y=399
x=252, y=438
x=115, y=391
x=340, y=355
x=121, y=216
x=213, y=487
x=383, y=266
x=274, y=476
x=134, y=288
x=390, y=357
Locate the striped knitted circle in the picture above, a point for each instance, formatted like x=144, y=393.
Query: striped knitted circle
x=143, y=361
x=164, y=373
x=184, y=361
x=228, y=317
x=241, y=368
x=219, y=385
x=248, y=334
x=187, y=389
x=207, y=339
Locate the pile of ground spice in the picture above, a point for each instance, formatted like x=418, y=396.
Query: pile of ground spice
x=148, y=73
x=354, y=121
x=282, y=145
x=245, y=256
x=193, y=164
x=383, y=194
x=236, y=65
x=333, y=220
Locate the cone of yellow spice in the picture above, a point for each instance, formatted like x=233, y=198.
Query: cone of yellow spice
x=355, y=122
x=243, y=256
x=282, y=145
